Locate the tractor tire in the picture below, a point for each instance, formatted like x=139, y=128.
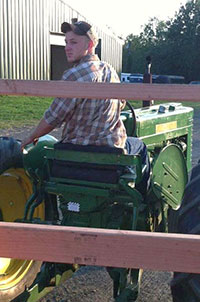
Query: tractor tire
x=185, y=287
x=15, y=187
x=173, y=220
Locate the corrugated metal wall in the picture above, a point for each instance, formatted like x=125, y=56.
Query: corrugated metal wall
x=25, y=27
x=24, y=39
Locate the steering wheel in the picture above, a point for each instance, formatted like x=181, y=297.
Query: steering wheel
x=133, y=116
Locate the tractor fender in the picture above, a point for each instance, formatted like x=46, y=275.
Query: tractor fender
x=34, y=154
x=169, y=176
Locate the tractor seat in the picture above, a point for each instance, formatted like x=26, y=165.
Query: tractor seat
x=88, y=148
x=87, y=171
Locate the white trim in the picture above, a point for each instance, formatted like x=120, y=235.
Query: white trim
x=57, y=39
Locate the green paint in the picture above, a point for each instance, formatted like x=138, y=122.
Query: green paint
x=167, y=132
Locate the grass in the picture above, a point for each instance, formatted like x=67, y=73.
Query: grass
x=17, y=111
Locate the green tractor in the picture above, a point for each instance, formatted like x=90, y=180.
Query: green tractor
x=84, y=186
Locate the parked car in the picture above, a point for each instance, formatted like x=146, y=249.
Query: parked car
x=194, y=83
x=169, y=79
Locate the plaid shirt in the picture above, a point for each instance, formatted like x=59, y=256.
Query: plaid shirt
x=89, y=122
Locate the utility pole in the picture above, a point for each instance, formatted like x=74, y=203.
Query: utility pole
x=147, y=78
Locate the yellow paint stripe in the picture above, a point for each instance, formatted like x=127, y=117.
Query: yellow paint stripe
x=166, y=127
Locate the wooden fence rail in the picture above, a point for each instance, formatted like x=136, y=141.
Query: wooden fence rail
x=165, y=92
x=155, y=251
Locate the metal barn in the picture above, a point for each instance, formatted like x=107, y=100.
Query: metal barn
x=31, y=44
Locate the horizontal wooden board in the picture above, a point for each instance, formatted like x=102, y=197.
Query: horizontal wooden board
x=165, y=92
x=154, y=251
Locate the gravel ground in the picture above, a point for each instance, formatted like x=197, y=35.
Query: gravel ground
x=91, y=284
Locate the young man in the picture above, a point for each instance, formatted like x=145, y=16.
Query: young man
x=88, y=122
x=85, y=122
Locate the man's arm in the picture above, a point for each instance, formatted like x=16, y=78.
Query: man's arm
x=41, y=129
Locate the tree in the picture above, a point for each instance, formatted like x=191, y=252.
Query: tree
x=133, y=54
x=184, y=40
x=173, y=45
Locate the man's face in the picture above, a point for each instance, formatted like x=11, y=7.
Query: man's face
x=76, y=46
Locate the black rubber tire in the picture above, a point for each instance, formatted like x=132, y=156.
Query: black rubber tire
x=173, y=216
x=10, y=154
x=11, y=157
x=185, y=287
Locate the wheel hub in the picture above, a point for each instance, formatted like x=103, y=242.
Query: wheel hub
x=16, y=188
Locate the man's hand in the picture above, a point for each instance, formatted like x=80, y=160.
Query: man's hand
x=41, y=129
x=28, y=141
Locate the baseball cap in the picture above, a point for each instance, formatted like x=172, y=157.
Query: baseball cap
x=81, y=28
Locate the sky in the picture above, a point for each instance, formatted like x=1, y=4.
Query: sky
x=126, y=16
